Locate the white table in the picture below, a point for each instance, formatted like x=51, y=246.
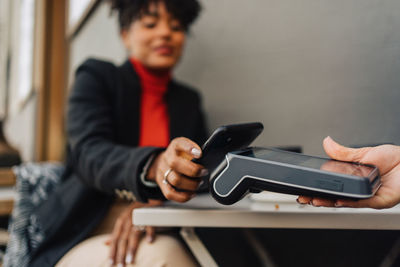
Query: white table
x=270, y=211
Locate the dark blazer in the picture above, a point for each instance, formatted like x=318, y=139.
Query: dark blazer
x=103, y=133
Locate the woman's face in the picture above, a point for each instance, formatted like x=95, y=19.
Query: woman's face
x=156, y=39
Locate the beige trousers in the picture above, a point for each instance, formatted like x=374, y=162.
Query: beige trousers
x=166, y=250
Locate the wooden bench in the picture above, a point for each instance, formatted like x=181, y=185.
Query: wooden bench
x=7, y=193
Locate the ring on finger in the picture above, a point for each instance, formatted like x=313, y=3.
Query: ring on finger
x=165, y=181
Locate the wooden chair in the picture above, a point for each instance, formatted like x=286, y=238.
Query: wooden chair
x=8, y=157
x=7, y=193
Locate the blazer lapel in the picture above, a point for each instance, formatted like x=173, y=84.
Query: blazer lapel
x=130, y=98
x=175, y=118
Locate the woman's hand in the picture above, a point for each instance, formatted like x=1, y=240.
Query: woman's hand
x=175, y=173
x=385, y=157
x=125, y=237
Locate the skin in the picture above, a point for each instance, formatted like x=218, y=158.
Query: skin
x=157, y=40
x=185, y=177
x=125, y=237
x=385, y=157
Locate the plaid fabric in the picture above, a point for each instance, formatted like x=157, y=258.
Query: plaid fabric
x=35, y=181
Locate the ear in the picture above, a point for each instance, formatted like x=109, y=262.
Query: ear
x=125, y=37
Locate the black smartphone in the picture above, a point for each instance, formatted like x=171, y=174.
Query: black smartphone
x=225, y=139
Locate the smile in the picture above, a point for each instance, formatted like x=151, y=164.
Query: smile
x=164, y=50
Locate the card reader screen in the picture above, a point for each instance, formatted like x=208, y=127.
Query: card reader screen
x=348, y=168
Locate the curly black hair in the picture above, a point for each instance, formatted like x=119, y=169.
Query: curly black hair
x=185, y=11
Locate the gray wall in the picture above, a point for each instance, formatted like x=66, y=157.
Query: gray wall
x=4, y=45
x=20, y=124
x=20, y=129
x=306, y=69
x=98, y=38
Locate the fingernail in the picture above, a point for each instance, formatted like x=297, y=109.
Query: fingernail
x=203, y=172
x=298, y=201
x=150, y=239
x=195, y=152
x=120, y=265
x=128, y=258
x=200, y=184
x=110, y=262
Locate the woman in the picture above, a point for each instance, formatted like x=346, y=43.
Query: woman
x=132, y=132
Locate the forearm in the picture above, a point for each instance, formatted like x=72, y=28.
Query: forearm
x=107, y=166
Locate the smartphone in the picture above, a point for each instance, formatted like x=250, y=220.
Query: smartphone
x=225, y=139
x=256, y=169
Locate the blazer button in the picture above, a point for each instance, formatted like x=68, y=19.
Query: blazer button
x=118, y=193
x=124, y=194
x=131, y=196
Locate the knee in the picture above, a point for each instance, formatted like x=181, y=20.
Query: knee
x=166, y=250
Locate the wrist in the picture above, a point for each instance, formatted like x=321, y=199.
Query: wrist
x=151, y=173
x=145, y=170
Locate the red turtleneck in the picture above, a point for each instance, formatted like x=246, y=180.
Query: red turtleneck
x=154, y=119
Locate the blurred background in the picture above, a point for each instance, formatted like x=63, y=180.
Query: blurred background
x=305, y=69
